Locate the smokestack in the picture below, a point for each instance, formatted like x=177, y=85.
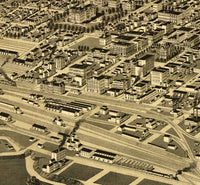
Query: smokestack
x=65, y=135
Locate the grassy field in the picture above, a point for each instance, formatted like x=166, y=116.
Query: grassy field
x=3, y=147
x=16, y=45
x=151, y=182
x=104, y=126
x=9, y=68
x=2, y=123
x=113, y=178
x=160, y=127
x=80, y=172
x=13, y=172
x=22, y=140
x=159, y=142
x=138, y=120
x=183, y=126
x=49, y=146
x=91, y=42
x=172, y=131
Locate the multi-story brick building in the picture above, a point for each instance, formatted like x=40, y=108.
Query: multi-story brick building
x=82, y=14
x=105, y=39
x=159, y=76
x=52, y=87
x=60, y=62
x=166, y=51
x=123, y=48
x=58, y=154
x=97, y=53
x=114, y=3
x=97, y=85
x=142, y=66
x=128, y=5
x=82, y=70
x=155, y=35
x=157, y=6
x=99, y=2
x=171, y=16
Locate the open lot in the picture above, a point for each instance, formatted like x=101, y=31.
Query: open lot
x=22, y=140
x=81, y=172
x=101, y=125
x=2, y=123
x=151, y=182
x=193, y=133
x=4, y=146
x=9, y=68
x=113, y=178
x=142, y=121
x=91, y=42
x=138, y=120
x=160, y=143
x=13, y=172
x=22, y=46
x=172, y=131
x=50, y=147
x=160, y=127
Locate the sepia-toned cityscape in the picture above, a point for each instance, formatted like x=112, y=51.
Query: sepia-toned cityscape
x=99, y=92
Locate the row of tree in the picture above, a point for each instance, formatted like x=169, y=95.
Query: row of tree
x=83, y=48
x=75, y=28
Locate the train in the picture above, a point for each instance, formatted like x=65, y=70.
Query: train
x=168, y=176
x=14, y=108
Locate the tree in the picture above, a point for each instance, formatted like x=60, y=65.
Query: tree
x=96, y=27
x=97, y=10
x=32, y=181
x=88, y=30
x=55, y=26
x=76, y=28
x=64, y=14
x=115, y=16
x=60, y=26
x=113, y=10
x=80, y=29
x=126, y=12
x=65, y=26
x=92, y=29
x=84, y=48
x=10, y=35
